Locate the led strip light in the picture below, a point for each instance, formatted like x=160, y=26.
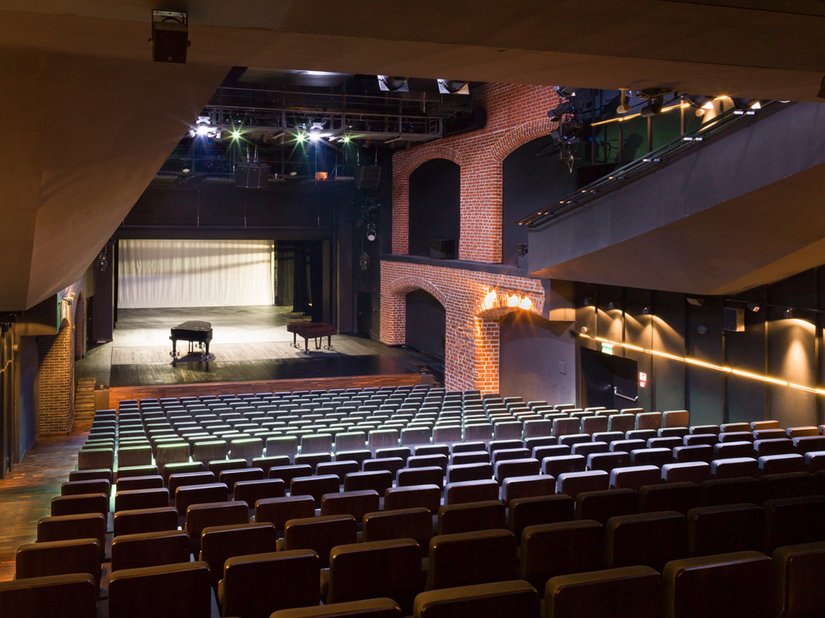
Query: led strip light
x=688, y=360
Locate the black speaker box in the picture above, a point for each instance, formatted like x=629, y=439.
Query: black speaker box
x=442, y=249
x=368, y=177
x=251, y=175
x=170, y=40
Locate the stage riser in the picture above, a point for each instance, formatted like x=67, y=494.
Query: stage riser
x=119, y=393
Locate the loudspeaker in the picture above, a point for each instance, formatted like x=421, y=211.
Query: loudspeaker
x=251, y=175
x=368, y=177
x=733, y=319
x=442, y=249
x=170, y=36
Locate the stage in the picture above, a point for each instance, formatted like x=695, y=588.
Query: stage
x=251, y=350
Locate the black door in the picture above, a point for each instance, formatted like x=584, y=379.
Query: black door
x=608, y=380
x=364, y=310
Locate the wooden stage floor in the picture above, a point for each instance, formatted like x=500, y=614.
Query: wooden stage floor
x=250, y=344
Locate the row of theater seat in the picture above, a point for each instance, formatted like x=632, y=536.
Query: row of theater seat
x=134, y=486
x=242, y=562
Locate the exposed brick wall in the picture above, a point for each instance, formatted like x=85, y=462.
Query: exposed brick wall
x=55, y=382
x=516, y=115
x=472, y=341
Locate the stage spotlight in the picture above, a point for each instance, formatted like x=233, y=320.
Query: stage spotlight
x=754, y=307
x=565, y=91
x=235, y=134
x=448, y=86
x=372, y=234
x=346, y=139
x=557, y=112
x=653, y=107
x=300, y=137
x=388, y=83
x=204, y=128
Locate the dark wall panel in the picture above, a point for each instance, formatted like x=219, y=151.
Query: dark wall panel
x=668, y=336
x=426, y=324
x=537, y=359
x=434, y=204
x=530, y=183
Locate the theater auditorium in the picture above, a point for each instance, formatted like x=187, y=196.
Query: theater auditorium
x=420, y=309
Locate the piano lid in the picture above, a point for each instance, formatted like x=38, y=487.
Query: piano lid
x=195, y=326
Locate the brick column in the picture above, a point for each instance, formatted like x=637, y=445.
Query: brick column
x=55, y=381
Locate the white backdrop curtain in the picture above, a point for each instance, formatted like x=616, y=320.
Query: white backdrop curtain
x=195, y=273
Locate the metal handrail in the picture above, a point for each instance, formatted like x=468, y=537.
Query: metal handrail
x=734, y=118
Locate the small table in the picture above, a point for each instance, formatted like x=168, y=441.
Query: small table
x=311, y=330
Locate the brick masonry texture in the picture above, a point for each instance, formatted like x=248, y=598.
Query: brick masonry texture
x=516, y=115
x=55, y=381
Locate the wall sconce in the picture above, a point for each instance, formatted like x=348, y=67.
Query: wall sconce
x=789, y=312
x=505, y=300
x=754, y=307
x=647, y=311
x=102, y=261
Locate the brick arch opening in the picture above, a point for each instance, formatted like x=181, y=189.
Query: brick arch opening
x=434, y=198
x=520, y=135
x=404, y=164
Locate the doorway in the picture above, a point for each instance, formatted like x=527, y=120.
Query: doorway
x=607, y=380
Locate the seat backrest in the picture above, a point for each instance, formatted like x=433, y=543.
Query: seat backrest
x=471, y=558
x=90, y=486
x=131, y=551
x=200, y=516
x=796, y=567
x=389, y=568
x=734, y=490
x=69, y=596
x=745, y=580
x=190, y=495
x=680, y=497
x=141, y=499
x=471, y=491
x=633, y=477
x=80, y=504
x=790, y=521
x=414, y=523
x=221, y=542
x=482, y=515
x=66, y=527
x=523, y=512
x=371, y=608
x=602, y=504
x=515, y=599
x=315, y=486
x=145, y=520
x=725, y=528
x=179, y=479
x=427, y=496
x=651, y=539
x=548, y=550
x=574, y=483
x=320, y=534
x=247, y=586
x=429, y=475
x=254, y=490
x=280, y=510
x=633, y=591
x=182, y=589
x=58, y=558
x=515, y=487
x=355, y=503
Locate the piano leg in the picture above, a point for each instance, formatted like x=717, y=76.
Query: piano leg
x=306, y=345
x=329, y=342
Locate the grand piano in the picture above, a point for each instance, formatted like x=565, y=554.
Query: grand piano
x=311, y=330
x=195, y=332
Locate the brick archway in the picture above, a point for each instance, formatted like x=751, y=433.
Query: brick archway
x=404, y=164
x=519, y=136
